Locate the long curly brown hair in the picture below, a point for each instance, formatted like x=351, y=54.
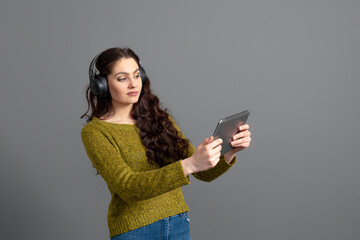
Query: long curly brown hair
x=163, y=142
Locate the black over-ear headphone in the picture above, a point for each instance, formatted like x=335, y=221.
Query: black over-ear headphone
x=98, y=83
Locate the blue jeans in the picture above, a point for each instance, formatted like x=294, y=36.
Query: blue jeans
x=171, y=228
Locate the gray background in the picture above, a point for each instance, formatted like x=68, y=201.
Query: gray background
x=294, y=64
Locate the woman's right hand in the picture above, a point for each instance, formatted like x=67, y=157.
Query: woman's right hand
x=206, y=156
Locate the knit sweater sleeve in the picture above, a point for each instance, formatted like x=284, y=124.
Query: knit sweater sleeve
x=211, y=174
x=128, y=184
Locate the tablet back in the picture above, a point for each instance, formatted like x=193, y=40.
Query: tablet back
x=228, y=127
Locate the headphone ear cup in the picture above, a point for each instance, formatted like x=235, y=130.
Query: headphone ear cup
x=143, y=79
x=99, y=86
x=142, y=74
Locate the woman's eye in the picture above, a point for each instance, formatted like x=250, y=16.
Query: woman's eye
x=121, y=79
x=137, y=76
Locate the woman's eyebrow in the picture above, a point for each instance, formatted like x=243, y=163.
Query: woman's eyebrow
x=126, y=72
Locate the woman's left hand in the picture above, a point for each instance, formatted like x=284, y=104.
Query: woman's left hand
x=242, y=139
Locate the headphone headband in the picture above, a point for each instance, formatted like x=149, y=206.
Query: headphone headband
x=92, y=65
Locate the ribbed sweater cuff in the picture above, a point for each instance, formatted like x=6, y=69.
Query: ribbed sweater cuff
x=223, y=164
x=233, y=161
x=179, y=174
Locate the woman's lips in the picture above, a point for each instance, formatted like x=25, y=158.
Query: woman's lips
x=133, y=93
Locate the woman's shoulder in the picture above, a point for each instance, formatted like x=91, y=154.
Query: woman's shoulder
x=173, y=121
x=91, y=126
x=95, y=130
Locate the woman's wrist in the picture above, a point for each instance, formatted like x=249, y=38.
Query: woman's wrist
x=187, y=166
x=229, y=156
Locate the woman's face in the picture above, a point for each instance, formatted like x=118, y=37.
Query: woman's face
x=125, y=82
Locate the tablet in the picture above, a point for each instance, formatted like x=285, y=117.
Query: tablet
x=228, y=127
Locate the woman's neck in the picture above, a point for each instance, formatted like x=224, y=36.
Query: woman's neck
x=119, y=114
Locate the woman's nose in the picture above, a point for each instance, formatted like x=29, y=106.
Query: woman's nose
x=132, y=82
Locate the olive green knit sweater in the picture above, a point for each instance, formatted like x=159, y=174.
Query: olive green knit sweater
x=141, y=193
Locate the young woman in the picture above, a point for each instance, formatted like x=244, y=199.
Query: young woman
x=139, y=150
